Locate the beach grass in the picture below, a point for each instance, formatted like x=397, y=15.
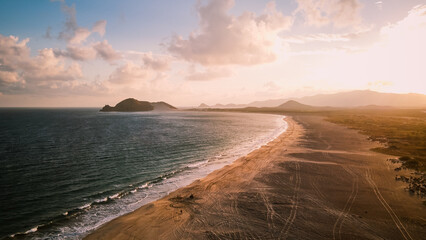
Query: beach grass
x=402, y=132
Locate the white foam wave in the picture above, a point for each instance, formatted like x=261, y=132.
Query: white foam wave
x=198, y=164
x=85, y=206
x=32, y=230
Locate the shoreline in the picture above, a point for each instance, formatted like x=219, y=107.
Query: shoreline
x=186, y=190
x=306, y=183
x=151, y=189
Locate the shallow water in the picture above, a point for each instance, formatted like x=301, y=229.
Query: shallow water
x=66, y=171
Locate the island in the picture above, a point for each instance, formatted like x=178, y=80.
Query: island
x=134, y=105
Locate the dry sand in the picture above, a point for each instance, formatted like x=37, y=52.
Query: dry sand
x=318, y=180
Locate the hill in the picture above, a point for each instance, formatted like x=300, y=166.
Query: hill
x=358, y=98
x=365, y=98
x=203, y=105
x=292, y=105
x=133, y=105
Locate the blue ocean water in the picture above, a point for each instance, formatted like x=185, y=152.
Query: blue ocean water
x=64, y=172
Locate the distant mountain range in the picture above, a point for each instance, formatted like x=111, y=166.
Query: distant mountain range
x=354, y=99
x=292, y=105
x=218, y=105
x=133, y=105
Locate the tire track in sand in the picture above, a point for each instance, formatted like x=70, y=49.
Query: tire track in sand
x=295, y=203
x=349, y=202
x=348, y=205
x=392, y=214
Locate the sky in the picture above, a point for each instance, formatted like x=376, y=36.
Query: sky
x=91, y=53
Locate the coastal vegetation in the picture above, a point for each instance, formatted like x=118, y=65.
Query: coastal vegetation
x=402, y=132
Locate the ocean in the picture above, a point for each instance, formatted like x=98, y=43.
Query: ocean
x=64, y=172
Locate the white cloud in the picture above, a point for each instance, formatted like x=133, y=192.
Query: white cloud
x=47, y=67
x=224, y=39
x=80, y=35
x=340, y=13
x=102, y=50
x=10, y=80
x=379, y=5
x=156, y=63
x=106, y=52
x=150, y=68
x=99, y=27
x=77, y=53
x=323, y=37
x=17, y=66
x=76, y=37
x=75, y=34
x=128, y=73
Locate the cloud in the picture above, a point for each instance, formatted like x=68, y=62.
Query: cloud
x=223, y=39
x=47, y=67
x=70, y=25
x=10, y=80
x=102, y=50
x=156, y=63
x=379, y=5
x=325, y=37
x=17, y=66
x=210, y=73
x=99, y=27
x=80, y=35
x=77, y=53
x=340, y=13
x=106, y=52
x=414, y=23
x=131, y=72
x=128, y=73
x=397, y=57
x=74, y=34
x=53, y=71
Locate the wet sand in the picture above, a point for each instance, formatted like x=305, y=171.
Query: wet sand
x=317, y=180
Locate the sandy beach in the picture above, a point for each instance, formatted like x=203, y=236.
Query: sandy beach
x=317, y=180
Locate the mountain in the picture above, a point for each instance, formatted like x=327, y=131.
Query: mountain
x=133, y=105
x=203, y=105
x=218, y=105
x=358, y=98
x=268, y=103
x=292, y=105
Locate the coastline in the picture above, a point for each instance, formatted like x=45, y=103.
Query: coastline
x=224, y=141
x=307, y=183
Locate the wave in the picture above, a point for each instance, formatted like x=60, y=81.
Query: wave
x=32, y=230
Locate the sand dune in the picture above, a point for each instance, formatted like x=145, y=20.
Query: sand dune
x=315, y=181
